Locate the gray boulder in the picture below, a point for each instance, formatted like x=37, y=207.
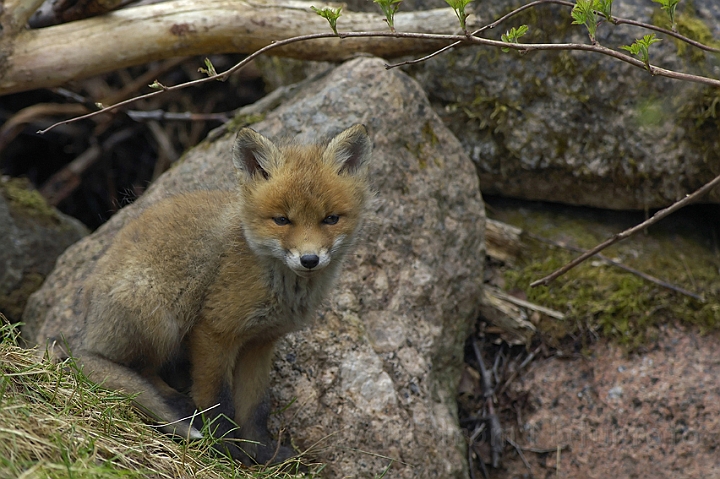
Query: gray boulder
x=373, y=383
x=582, y=128
x=32, y=236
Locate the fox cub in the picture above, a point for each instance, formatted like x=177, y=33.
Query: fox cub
x=185, y=307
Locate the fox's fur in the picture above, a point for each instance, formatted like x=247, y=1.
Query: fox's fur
x=185, y=307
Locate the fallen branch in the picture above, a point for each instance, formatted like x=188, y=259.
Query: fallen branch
x=63, y=11
x=471, y=441
x=34, y=113
x=418, y=36
x=14, y=16
x=503, y=312
x=629, y=232
x=60, y=185
x=522, y=456
x=527, y=305
x=624, y=267
x=540, y=450
x=162, y=115
x=483, y=468
x=496, y=444
x=516, y=372
x=502, y=241
x=54, y=55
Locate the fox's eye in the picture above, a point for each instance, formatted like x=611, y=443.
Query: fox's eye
x=331, y=219
x=281, y=220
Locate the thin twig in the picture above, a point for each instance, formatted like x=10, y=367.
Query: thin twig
x=522, y=456
x=470, y=462
x=523, y=47
x=624, y=267
x=628, y=232
x=539, y=450
x=62, y=183
x=688, y=271
x=471, y=441
x=528, y=305
x=515, y=373
x=159, y=115
x=495, y=368
x=474, y=33
x=219, y=76
x=647, y=26
x=557, y=463
x=277, y=448
x=167, y=154
x=143, y=80
x=492, y=419
x=483, y=468
x=615, y=20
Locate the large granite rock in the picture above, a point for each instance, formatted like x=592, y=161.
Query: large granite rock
x=373, y=382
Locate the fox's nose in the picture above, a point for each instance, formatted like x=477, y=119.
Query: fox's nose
x=309, y=261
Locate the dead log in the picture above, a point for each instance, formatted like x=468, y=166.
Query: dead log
x=504, y=312
x=502, y=241
x=46, y=57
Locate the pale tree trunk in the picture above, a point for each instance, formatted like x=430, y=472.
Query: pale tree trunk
x=46, y=57
x=14, y=15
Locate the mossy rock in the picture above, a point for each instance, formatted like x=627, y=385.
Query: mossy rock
x=34, y=235
x=601, y=300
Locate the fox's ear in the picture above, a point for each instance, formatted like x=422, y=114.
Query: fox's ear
x=253, y=153
x=350, y=150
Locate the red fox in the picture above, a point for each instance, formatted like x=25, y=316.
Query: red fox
x=186, y=305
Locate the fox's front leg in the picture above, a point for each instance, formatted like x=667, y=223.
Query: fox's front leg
x=212, y=357
x=251, y=377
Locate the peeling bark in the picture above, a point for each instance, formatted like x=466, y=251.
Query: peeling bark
x=51, y=56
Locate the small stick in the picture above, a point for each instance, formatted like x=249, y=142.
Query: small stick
x=645, y=276
x=277, y=447
x=470, y=462
x=138, y=115
x=615, y=20
x=495, y=427
x=485, y=472
x=473, y=438
x=522, y=456
x=539, y=450
x=515, y=373
x=528, y=305
x=62, y=183
x=628, y=232
x=557, y=462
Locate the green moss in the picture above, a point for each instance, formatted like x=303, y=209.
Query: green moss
x=241, y=121
x=564, y=64
x=649, y=112
x=429, y=139
x=490, y=112
x=699, y=115
x=689, y=26
x=429, y=134
x=600, y=299
x=26, y=201
x=13, y=303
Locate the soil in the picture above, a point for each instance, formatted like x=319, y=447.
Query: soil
x=606, y=413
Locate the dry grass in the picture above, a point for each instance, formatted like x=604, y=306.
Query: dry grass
x=54, y=423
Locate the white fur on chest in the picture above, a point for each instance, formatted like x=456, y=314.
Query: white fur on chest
x=293, y=300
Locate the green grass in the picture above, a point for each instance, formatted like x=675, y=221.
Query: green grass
x=54, y=423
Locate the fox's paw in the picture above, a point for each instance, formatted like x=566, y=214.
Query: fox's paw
x=272, y=454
